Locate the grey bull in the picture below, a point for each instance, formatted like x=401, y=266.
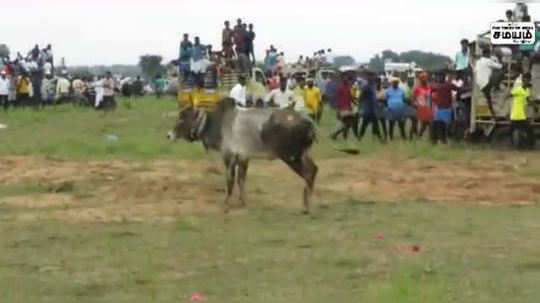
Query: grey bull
x=244, y=134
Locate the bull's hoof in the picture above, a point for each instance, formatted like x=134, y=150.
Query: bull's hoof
x=305, y=212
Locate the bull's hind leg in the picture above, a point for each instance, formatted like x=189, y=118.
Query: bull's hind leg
x=230, y=167
x=242, y=173
x=306, y=168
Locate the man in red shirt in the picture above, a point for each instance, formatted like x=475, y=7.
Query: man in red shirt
x=344, y=106
x=422, y=103
x=441, y=93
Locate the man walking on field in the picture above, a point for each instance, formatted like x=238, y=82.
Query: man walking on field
x=108, y=93
x=346, y=114
x=313, y=100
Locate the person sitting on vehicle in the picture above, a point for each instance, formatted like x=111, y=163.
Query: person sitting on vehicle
x=521, y=93
x=484, y=71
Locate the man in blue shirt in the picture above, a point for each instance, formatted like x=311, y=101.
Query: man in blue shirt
x=184, y=60
x=462, y=57
x=330, y=92
x=395, y=98
x=368, y=98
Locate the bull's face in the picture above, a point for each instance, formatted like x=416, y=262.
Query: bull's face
x=185, y=126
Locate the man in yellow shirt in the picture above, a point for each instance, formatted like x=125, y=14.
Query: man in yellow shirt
x=521, y=94
x=23, y=90
x=313, y=101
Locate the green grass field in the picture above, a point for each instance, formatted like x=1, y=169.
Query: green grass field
x=349, y=250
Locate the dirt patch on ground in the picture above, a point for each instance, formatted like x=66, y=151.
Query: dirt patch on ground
x=119, y=191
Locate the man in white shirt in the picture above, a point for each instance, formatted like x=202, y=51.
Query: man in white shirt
x=239, y=93
x=281, y=97
x=99, y=90
x=47, y=68
x=291, y=82
x=48, y=89
x=484, y=70
x=29, y=66
x=520, y=11
x=4, y=90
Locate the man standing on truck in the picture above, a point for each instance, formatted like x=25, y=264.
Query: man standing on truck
x=240, y=41
x=198, y=64
x=463, y=56
x=184, y=61
x=251, y=44
x=521, y=94
x=484, y=71
x=227, y=42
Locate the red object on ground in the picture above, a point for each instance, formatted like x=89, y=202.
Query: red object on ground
x=380, y=236
x=196, y=297
x=416, y=248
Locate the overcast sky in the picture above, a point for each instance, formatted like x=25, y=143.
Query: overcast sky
x=119, y=31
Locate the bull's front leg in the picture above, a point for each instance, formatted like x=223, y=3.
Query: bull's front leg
x=306, y=168
x=242, y=173
x=309, y=173
x=230, y=168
